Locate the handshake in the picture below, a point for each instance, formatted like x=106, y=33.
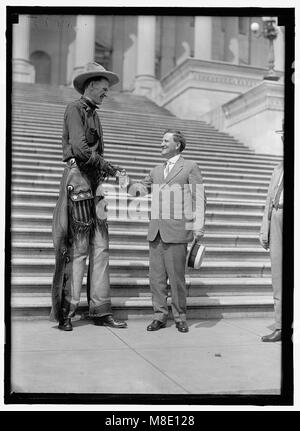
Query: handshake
x=122, y=178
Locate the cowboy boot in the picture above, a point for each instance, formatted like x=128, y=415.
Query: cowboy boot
x=65, y=323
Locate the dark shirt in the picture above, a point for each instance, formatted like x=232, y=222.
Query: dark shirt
x=83, y=139
x=82, y=133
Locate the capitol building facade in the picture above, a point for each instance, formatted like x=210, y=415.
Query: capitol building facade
x=209, y=68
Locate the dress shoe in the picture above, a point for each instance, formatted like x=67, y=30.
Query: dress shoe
x=272, y=338
x=182, y=327
x=65, y=325
x=109, y=321
x=156, y=325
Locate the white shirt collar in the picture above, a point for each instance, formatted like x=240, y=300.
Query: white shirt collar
x=173, y=159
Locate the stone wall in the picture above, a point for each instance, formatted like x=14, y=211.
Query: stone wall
x=253, y=117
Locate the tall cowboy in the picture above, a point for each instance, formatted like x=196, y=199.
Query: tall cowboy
x=80, y=216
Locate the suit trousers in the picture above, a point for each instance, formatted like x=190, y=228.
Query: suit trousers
x=167, y=261
x=276, y=261
x=96, y=248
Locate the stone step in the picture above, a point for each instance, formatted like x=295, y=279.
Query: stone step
x=118, y=236
x=43, y=110
x=51, y=185
x=49, y=182
x=127, y=201
x=127, y=137
x=137, y=224
x=132, y=286
x=120, y=128
x=213, y=175
x=32, y=194
x=140, y=120
x=128, y=149
x=141, y=252
x=43, y=173
x=128, y=268
x=112, y=103
x=134, y=211
x=138, y=153
x=134, y=108
x=234, y=279
x=126, y=144
x=126, y=308
x=112, y=119
x=59, y=96
x=206, y=162
x=143, y=164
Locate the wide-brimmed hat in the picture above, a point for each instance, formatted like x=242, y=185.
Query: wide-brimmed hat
x=195, y=255
x=94, y=70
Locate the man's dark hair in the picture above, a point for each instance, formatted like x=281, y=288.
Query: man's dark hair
x=97, y=78
x=178, y=138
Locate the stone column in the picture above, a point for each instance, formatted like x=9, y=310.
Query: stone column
x=23, y=70
x=279, y=49
x=118, y=48
x=168, y=49
x=145, y=70
x=231, y=42
x=203, y=37
x=84, y=42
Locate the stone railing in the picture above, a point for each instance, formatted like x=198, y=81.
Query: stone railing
x=253, y=116
x=23, y=71
x=195, y=86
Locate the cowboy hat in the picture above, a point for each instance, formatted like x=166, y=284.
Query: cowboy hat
x=94, y=70
x=195, y=255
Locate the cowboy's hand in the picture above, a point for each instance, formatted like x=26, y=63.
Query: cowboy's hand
x=123, y=179
x=198, y=236
x=119, y=171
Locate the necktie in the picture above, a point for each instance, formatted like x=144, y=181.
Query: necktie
x=167, y=169
x=278, y=193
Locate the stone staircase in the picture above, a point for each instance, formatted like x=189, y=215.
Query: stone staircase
x=235, y=277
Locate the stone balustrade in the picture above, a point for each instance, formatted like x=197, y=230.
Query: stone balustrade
x=196, y=86
x=253, y=116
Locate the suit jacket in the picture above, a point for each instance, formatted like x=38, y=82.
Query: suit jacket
x=178, y=202
x=265, y=226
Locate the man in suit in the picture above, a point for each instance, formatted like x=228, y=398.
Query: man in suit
x=177, y=216
x=270, y=237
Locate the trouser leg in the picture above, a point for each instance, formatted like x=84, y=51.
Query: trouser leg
x=175, y=258
x=158, y=280
x=75, y=272
x=100, y=301
x=276, y=262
